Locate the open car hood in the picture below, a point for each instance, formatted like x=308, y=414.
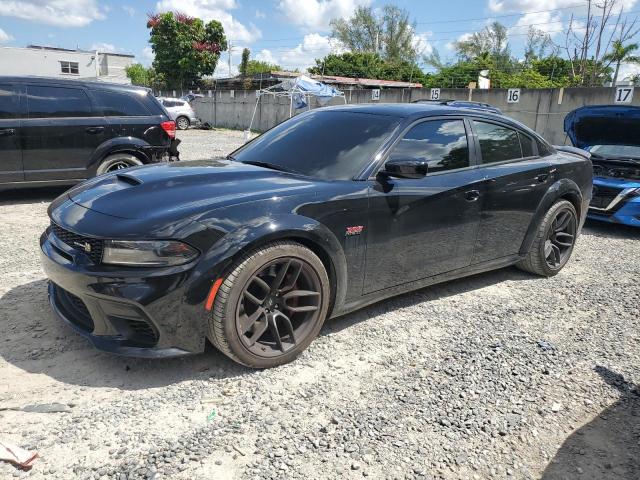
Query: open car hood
x=603, y=125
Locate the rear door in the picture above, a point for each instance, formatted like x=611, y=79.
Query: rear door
x=10, y=123
x=516, y=177
x=60, y=133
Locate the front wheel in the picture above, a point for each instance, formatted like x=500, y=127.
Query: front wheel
x=554, y=241
x=271, y=306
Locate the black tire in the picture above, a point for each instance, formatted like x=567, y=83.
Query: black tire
x=117, y=161
x=182, y=123
x=552, y=246
x=230, y=309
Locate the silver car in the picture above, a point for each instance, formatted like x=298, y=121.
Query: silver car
x=180, y=111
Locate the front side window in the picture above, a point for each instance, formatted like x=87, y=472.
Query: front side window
x=70, y=67
x=113, y=104
x=442, y=143
x=329, y=145
x=47, y=102
x=497, y=143
x=8, y=102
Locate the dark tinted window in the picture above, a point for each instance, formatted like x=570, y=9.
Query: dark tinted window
x=331, y=145
x=442, y=143
x=526, y=144
x=544, y=149
x=46, y=102
x=114, y=104
x=497, y=143
x=8, y=102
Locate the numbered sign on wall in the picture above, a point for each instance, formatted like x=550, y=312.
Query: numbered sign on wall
x=513, y=95
x=375, y=95
x=435, y=94
x=624, y=94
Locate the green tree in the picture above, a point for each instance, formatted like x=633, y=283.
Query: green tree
x=256, y=66
x=367, y=65
x=492, y=42
x=389, y=34
x=619, y=54
x=244, y=61
x=185, y=48
x=140, y=75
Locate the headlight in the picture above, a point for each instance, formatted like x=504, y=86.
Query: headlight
x=161, y=253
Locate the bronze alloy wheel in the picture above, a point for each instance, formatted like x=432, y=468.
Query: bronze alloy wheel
x=271, y=305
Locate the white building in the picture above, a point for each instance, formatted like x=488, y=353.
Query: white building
x=63, y=63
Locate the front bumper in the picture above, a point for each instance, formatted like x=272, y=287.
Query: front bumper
x=615, y=201
x=128, y=311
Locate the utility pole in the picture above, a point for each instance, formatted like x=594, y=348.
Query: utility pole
x=230, y=48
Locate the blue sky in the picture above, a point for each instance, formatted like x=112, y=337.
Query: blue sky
x=290, y=33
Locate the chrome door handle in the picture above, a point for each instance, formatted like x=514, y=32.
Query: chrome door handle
x=94, y=130
x=543, y=177
x=7, y=131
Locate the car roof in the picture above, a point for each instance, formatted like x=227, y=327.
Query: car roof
x=415, y=111
x=72, y=82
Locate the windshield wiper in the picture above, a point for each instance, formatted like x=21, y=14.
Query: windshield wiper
x=272, y=166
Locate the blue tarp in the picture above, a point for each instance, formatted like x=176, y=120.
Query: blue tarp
x=303, y=85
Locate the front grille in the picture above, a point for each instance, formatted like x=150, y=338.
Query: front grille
x=73, y=308
x=603, y=196
x=92, y=247
x=143, y=332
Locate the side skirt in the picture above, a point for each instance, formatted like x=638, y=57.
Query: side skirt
x=425, y=282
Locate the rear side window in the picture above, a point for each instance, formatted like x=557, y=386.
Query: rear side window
x=497, y=143
x=114, y=104
x=442, y=143
x=48, y=102
x=526, y=144
x=8, y=102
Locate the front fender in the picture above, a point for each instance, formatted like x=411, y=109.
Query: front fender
x=562, y=188
x=217, y=262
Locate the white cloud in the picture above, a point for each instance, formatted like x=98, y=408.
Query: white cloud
x=147, y=56
x=60, y=13
x=130, y=10
x=266, y=55
x=421, y=43
x=214, y=10
x=451, y=46
x=547, y=22
x=627, y=70
x=260, y=14
x=303, y=56
x=4, y=36
x=103, y=47
x=525, y=6
x=316, y=14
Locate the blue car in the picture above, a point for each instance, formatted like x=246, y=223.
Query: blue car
x=612, y=135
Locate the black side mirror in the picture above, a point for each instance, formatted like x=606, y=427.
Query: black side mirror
x=405, y=168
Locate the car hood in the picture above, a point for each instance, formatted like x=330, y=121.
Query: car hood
x=603, y=125
x=184, y=189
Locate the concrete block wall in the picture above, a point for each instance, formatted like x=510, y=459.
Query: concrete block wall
x=542, y=110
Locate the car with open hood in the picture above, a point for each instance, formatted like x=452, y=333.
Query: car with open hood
x=331, y=210
x=612, y=135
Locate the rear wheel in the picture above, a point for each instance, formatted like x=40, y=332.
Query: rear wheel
x=271, y=306
x=182, y=123
x=118, y=161
x=554, y=241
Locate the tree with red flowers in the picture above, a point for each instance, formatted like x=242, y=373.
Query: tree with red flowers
x=185, y=47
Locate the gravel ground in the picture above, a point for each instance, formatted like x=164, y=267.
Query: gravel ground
x=501, y=375
x=199, y=144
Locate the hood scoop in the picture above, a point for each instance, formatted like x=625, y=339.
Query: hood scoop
x=134, y=181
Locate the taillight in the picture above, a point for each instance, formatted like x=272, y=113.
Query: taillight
x=170, y=127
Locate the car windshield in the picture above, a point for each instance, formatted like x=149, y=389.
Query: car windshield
x=329, y=145
x=618, y=151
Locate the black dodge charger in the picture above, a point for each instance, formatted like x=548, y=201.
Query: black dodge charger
x=327, y=212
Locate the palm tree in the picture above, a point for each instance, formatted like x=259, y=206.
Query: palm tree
x=619, y=54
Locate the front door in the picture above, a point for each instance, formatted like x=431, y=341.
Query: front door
x=10, y=151
x=422, y=227
x=60, y=133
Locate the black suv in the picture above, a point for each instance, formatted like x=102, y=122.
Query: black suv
x=56, y=131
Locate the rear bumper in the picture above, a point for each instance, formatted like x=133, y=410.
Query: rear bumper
x=616, y=201
x=120, y=313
